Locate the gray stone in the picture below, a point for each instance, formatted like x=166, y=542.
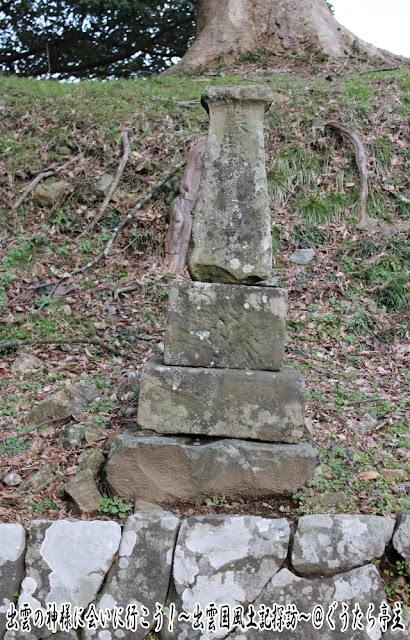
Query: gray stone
x=302, y=256
x=225, y=560
x=67, y=401
x=12, y=550
x=328, y=544
x=236, y=403
x=231, y=239
x=142, y=505
x=361, y=587
x=328, y=498
x=12, y=479
x=142, y=570
x=64, y=635
x=66, y=561
x=83, y=491
x=39, y=478
x=367, y=423
x=91, y=459
x=401, y=538
x=26, y=362
x=392, y=475
x=103, y=184
x=129, y=384
x=92, y=433
x=49, y=192
x=166, y=470
x=270, y=282
x=71, y=436
x=223, y=325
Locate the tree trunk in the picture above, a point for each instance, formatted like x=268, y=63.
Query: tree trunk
x=225, y=28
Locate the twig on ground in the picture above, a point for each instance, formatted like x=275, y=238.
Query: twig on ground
x=12, y=344
x=113, y=186
x=104, y=253
x=129, y=289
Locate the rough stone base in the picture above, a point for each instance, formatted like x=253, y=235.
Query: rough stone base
x=233, y=403
x=225, y=325
x=170, y=469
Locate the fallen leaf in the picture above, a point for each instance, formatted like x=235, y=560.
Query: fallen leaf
x=370, y=474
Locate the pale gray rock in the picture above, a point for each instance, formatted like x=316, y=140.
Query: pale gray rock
x=328, y=544
x=91, y=459
x=142, y=570
x=225, y=560
x=49, y=192
x=26, y=362
x=401, y=538
x=103, y=184
x=143, y=505
x=12, y=550
x=40, y=478
x=70, y=437
x=67, y=561
x=67, y=401
x=223, y=325
x=231, y=239
x=367, y=423
x=328, y=499
x=302, y=256
x=235, y=403
x=12, y=479
x=83, y=491
x=129, y=384
x=92, y=433
x=166, y=470
x=361, y=586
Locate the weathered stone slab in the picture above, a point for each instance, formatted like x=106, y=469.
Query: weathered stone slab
x=236, y=403
x=170, y=469
x=141, y=573
x=66, y=561
x=82, y=489
x=231, y=240
x=12, y=550
x=401, y=538
x=67, y=401
x=222, y=325
x=224, y=560
x=357, y=588
x=329, y=544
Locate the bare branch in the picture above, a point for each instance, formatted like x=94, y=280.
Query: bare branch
x=114, y=184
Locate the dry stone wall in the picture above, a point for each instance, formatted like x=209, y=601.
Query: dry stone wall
x=207, y=577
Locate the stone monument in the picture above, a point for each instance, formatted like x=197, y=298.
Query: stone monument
x=220, y=414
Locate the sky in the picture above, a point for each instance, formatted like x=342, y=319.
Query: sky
x=384, y=23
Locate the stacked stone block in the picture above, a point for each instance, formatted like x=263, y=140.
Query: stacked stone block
x=222, y=375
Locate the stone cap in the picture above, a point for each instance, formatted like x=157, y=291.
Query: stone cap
x=238, y=93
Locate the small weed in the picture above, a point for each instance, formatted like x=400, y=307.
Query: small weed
x=13, y=446
x=43, y=505
x=217, y=501
x=114, y=506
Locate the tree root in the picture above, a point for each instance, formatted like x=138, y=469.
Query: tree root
x=364, y=222
x=113, y=186
x=11, y=345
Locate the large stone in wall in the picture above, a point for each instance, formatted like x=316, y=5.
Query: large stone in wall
x=360, y=588
x=140, y=576
x=12, y=550
x=224, y=560
x=329, y=544
x=401, y=538
x=222, y=325
x=233, y=403
x=231, y=239
x=66, y=562
x=171, y=469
